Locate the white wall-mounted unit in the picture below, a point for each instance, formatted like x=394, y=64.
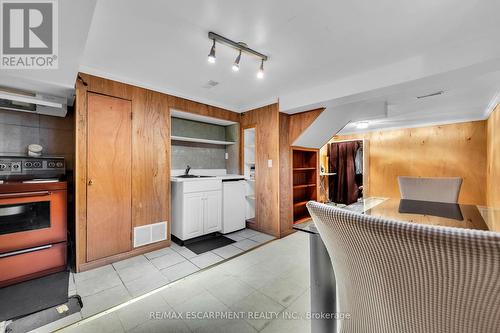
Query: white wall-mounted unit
x=33, y=103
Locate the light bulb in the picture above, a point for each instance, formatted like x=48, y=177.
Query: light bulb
x=236, y=65
x=260, y=73
x=211, y=55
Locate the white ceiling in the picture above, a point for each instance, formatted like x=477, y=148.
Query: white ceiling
x=164, y=44
x=468, y=94
x=322, y=53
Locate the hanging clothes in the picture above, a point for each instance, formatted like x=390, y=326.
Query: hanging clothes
x=358, y=161
x=341, y=160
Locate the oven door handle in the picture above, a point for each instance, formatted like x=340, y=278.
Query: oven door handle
x=24, y=194
x=33, y=249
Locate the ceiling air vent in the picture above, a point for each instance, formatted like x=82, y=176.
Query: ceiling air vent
x=210, y=84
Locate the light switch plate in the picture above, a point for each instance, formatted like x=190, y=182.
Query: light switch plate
x=269, y=163
x=227, y=156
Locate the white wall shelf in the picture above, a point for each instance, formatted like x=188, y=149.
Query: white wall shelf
x=213, y=142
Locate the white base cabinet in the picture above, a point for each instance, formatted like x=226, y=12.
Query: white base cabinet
x=196, y=208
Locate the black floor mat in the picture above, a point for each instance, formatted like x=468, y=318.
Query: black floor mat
x=27, y=297
x=206, y=244
x=47, y=316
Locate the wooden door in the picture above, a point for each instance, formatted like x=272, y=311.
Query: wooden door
x=213, y=212
x=109, y=220
x=193, y=215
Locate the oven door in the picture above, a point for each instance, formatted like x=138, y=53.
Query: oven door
x=31, y=219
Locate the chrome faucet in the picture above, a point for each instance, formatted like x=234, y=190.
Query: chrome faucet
x=186, y=172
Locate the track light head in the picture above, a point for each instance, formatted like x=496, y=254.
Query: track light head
x=260, y=73
x=236, y=64
x=211, y=55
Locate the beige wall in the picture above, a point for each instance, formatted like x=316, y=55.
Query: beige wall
x=456, y=150
x=493, y=159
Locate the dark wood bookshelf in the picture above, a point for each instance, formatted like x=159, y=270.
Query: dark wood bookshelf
x=305, y=174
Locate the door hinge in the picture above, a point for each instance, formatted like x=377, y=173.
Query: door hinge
x=131, y=115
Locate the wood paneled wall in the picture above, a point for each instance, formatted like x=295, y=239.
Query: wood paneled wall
x=286, y=191
x=150, y=185
x=150, y=156
x=266, y=122
x=290, y=128
x=493, y=159
x=456, y=150
x=299, y=122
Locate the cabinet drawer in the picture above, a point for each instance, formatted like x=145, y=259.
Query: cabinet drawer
x=202, y=185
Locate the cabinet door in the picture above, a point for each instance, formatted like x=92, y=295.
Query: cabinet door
x=193, y=215
x=109, y=221
x=213, y=211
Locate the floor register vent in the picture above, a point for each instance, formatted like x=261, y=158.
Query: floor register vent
x=150, y=233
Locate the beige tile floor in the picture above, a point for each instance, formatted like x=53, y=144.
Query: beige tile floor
x=270, y=283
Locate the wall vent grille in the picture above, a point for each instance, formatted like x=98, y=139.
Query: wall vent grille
x=150, y=233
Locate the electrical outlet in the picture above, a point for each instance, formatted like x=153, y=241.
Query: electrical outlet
x=227, y=156
x=269, y=163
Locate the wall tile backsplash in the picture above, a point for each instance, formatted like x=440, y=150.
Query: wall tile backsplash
x=205, y=156
x=19, y=129
x=198, y=156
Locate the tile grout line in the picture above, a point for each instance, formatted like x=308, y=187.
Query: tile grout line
x=123, y=282
x=157, y=290
x=186, y=260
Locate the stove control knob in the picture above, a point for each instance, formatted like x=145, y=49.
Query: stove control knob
x=16, y=167
x=59, y=164
x=3, y=166
x=28, y=164
x=51, y=164
x=37, y=164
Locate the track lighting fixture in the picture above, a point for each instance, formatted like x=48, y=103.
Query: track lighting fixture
x=240, y=47
x=260, y=73
x=211, y=55
x=236, y=64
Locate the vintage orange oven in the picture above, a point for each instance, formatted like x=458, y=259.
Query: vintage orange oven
x=33, y=230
